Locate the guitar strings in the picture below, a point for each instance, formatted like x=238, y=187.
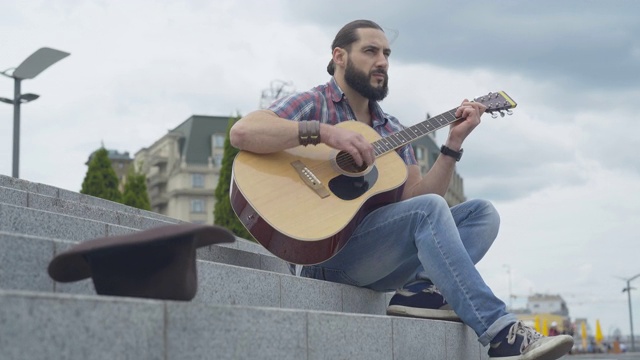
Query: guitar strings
x=343, y=160
x=406, y=136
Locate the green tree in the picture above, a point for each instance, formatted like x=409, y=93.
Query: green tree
x=223, y=213
x=101, y=180
x=135, y=190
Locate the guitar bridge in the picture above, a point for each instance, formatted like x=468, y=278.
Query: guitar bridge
x=310, y=179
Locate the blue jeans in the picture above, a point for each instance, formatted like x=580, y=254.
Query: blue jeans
x=419, y=239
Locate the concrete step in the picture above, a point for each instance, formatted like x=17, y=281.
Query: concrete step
x=24, y=261
x=28, y=187
x=63, y=326
x=83, y=207
x=35, y=227
x=43, y=210
x=248, y=306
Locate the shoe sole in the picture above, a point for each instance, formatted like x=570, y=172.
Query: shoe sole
x=554, y=349
x=433, y=314
x=557, y=348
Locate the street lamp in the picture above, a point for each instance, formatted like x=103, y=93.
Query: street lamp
x=510, y=294
x=628, y=290
x=30, y=68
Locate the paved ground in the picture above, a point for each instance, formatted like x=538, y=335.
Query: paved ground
x=634, y=356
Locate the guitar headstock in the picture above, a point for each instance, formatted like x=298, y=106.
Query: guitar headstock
x=497, y=102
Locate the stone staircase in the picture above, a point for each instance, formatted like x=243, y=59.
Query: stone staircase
x=248, y=306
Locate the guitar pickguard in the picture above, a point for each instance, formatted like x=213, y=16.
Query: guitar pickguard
x=349, y=188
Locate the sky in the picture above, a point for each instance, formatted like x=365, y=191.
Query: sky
x=562, y=170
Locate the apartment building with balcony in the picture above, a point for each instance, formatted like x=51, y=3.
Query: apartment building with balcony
x=427, y=151
x=183, y=168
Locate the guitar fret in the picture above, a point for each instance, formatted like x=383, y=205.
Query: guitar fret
x=427, y=126
x=452, y=116
x=402, y=136
x=412, y=133
x=406, y=136
x=416, y=132
x=385, y=144
x=394, y=140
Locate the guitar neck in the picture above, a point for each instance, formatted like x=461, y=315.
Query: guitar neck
x=410, y=134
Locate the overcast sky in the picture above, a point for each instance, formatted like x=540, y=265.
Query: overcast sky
x=563, y=170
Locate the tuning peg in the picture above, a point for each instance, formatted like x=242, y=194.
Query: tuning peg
x=509, y=112
x=501, y=113
x=494, y=115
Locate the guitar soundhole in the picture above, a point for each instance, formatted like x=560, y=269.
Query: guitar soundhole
x=346, y=163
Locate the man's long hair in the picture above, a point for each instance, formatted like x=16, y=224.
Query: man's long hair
x=347, y=36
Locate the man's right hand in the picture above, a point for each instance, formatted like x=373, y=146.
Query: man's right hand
x=349, y=141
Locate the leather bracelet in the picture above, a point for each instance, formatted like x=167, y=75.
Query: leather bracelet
x=308, y=132
x=314, y=132
x=303, y=135
x=450, y=152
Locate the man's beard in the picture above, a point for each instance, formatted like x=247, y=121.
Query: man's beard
x=361, y=82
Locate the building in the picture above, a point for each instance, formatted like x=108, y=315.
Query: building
x=547, y=304
x=545, y=309
x=120, y=163
x=427, y=151
x=183, y=167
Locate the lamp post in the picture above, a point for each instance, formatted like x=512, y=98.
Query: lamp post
x=628, y=290
x=508, y=267
x=30, y=68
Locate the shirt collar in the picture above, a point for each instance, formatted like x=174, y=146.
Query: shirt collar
x=378, y=117
x=334, y=89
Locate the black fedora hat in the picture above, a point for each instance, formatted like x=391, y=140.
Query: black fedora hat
x=158, y=263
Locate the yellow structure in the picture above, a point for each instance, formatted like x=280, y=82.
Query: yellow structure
x=541, y=322
x=598, y=336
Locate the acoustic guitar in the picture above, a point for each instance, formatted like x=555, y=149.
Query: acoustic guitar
x=302, y=204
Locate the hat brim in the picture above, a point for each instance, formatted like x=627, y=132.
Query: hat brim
x=72, y=265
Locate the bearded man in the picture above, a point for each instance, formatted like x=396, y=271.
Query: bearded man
x=417, y=245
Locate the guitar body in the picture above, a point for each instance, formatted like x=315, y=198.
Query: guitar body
x=306, y=222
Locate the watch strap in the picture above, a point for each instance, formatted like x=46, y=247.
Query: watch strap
x=450, y=152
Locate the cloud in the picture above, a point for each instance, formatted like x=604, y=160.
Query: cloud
x=562, y=170
x=590, y=46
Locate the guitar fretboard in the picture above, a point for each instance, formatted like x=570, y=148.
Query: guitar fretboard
x=408, y=135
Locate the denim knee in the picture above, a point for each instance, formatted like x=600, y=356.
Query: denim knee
x=432, y=201
x=486, y=209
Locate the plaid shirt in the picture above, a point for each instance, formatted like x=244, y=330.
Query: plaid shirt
x=328, y=104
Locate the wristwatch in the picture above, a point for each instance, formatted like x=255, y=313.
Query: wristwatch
x=450, y=152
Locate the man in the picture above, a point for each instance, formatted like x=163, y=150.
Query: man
x=414, y=243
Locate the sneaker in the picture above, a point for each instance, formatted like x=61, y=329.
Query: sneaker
x=421, y=300
x=521, y=342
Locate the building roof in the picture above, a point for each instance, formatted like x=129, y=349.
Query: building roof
x=545, y=297
x=195, y=133
x=113, y=155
